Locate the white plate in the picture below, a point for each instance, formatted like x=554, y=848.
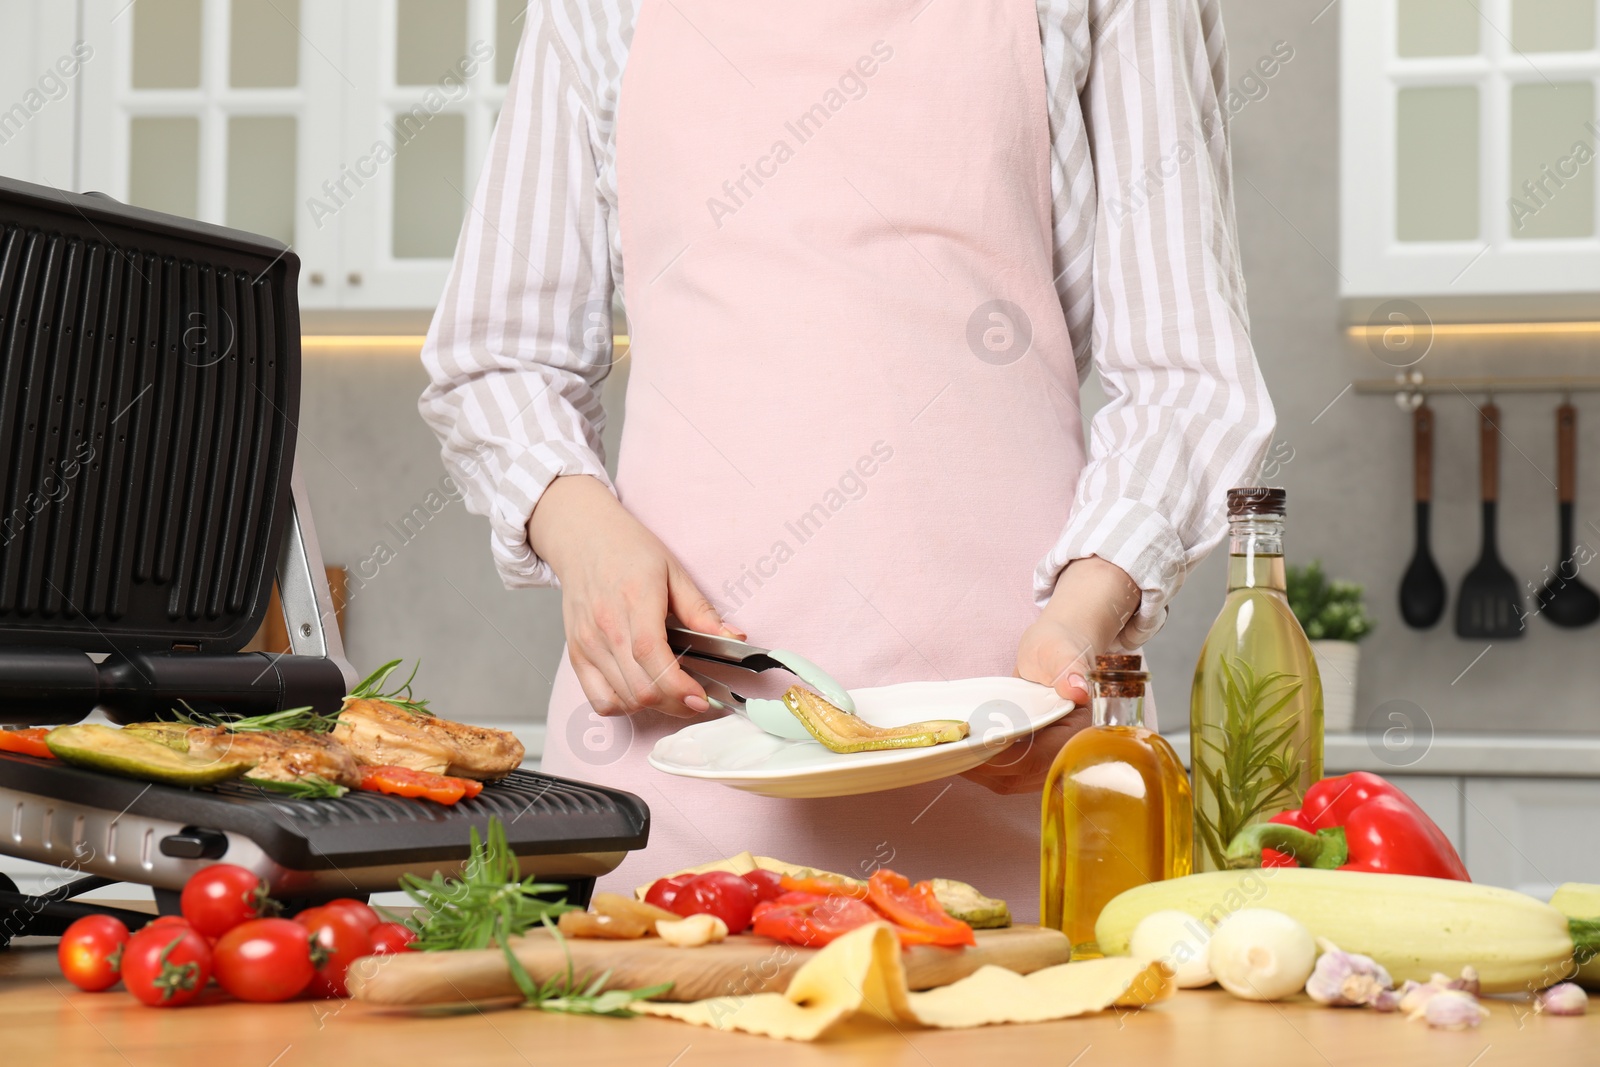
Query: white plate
x=733, y=751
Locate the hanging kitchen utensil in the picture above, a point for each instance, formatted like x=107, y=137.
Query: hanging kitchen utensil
x=1565, y=600
x=1422, y=589
x=1489, y=606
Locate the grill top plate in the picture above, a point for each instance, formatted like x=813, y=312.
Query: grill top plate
x=149, y=385
x=542, y=815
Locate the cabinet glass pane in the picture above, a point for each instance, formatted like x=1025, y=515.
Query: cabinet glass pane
x=1437, y=164
x=166, y=44
x=430, y=39
x=429, y=179
x=261, y=175
x=164, y=164
x=1552, y=172
x=507, y=33
x=1438, y=27
x=264, y=50
x=1552, y=25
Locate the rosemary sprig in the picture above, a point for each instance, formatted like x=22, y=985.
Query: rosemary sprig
x=371, y=688
x=488, y=904
x=288, y=719
x=307, y=787
x=1257, y=767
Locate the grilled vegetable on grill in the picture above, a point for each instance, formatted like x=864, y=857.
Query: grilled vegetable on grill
x=124, y=753
x=307, y=762
x=381, y=733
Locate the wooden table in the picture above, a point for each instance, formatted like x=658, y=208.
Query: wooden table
x=44, y=1021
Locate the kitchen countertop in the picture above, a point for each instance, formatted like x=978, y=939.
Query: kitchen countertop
x=46, y=1021
x=1454, y=754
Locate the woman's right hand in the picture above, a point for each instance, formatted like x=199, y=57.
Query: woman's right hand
x=618, y=585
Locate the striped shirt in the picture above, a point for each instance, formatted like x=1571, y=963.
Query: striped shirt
x=1146, y=255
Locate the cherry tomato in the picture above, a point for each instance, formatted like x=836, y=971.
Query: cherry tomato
x=165, y=966
x=219, y=897
x=267, y=960
x=91, y=952
x=769, y=884
x=389, y=938
x=357, y=909
x=727, y=896
x=665, y=890
x=169, y=920
x=342, y=941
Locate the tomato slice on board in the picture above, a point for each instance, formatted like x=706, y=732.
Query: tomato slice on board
x=29, y=742
x=812, y=922
x=405, y=782
x=916, y=908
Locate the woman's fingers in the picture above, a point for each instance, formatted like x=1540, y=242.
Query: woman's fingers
x=692, y=607
x=602, y=694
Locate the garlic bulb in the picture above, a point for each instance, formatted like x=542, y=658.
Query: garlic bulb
x=1260, y=954
x=1178, y=940
x=1344, y=979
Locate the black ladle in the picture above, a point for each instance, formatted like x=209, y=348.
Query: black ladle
x=1565, y=600
x=1422, y=590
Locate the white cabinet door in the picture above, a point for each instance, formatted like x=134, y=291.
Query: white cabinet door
x=222, y=110
x=1532, y=834
x=40, y=63
x=428, y=78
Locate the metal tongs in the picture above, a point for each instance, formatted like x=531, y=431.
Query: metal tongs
x=695, y=649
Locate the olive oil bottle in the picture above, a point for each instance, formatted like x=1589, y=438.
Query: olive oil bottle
x=1255, y=712
x=1116, y=808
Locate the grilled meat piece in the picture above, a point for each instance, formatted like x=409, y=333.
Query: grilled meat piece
x=383, y=735
x=280, y=755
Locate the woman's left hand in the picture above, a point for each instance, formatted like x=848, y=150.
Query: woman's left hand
x=1092, y=602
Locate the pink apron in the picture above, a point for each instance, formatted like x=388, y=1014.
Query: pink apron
x=853, y=412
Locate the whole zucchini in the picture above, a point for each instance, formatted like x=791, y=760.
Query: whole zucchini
x=1413, y=926
x=1578, y=901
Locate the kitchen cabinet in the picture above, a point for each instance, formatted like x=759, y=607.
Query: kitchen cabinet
x=351, y=131
x=1468, y=143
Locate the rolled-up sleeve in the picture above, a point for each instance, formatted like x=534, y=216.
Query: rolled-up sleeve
x=1158, y=307
x=522, y=337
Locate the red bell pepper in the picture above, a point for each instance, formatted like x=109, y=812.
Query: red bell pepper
x=1355, y=822
x=405, y=782
x=917, y=909
x=823, y=886
x=29, y=742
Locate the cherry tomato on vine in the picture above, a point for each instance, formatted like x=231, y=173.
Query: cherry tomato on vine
x=219, y=897
x=342, y=941
x=267, y=960
x=727, y=896
x=90, y=952
x=357, y=909
x=665, y=890
x=768, y=884
x=166, y=966
x=389, y=938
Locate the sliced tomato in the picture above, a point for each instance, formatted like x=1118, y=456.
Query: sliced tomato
x=916, y=908
x=405, y=782
x=29, y=742
x=823, y=886
x=812, y=922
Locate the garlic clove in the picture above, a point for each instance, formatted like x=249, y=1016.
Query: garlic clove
x=1453, y=1009
x=1342, y=979
x=1565, y=998
x=693, y=931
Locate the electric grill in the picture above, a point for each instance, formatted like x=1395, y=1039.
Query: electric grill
x=149, y=390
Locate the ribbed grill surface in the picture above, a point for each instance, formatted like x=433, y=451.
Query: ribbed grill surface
x=141, y=442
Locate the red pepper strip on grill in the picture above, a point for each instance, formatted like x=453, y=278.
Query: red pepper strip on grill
x=916, y=908
x=1355, y=822
x=824, y=887
x=405, y=782
x=29, y=742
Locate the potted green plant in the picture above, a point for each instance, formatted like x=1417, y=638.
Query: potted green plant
x=1334, y=617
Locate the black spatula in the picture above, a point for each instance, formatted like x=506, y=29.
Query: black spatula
x=1490, y=605
x=1565, y=600
x=1422, y=591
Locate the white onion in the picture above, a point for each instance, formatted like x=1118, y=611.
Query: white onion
x=1178, y=940
x=1260, y=954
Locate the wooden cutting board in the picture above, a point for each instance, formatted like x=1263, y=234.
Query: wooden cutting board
x=738, y=966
